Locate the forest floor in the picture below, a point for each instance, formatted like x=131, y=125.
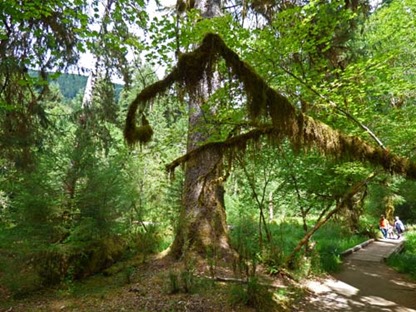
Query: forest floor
x=159, y=284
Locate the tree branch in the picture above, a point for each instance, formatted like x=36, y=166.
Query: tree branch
x=336, y=107
x=263, y=101
x=323, y=219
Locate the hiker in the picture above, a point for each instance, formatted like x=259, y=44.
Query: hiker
x=383, y=225
x=398, y=225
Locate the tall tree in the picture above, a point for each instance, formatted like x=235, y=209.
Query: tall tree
x=203, y=220
x=281, y=120
x=39, y=35
x=203, y=226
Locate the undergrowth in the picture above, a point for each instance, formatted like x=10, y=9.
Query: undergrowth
x=29, y=263
x=252, y=294
x=405, y=262
x=321, y=256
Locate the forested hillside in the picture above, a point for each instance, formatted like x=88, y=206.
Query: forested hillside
x=71, y=85
x=279, y=134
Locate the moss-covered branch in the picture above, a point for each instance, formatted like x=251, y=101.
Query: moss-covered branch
x=236, y=142
x=315, y=134
x=286, y=122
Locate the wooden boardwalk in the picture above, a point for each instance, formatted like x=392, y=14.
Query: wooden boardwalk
x=374, y=250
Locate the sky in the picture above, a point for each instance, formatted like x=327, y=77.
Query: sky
x=87, y=60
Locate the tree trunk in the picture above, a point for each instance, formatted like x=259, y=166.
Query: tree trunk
x=388, y=202
x=202, y=228
x=271, y=207
x=354, y=209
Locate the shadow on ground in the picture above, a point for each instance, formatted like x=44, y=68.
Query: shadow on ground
x=363, y=286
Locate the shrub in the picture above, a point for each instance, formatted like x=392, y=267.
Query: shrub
x=405, y=262
x=253, y=295
x=328, y=259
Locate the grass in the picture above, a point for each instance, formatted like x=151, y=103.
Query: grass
x=252, y=295
x=332, y=240
x=328, y=243
x=405, y=262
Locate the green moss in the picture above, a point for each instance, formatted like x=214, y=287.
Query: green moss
x=303, y=132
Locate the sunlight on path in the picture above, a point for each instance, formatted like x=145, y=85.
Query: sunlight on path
x=366, y=283
x=335, y=295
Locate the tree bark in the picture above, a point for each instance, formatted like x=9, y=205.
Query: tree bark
x=202, y=228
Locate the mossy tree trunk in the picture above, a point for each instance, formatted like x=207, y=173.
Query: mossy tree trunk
x=354, y=209
x=202, y=228
x=389, y=207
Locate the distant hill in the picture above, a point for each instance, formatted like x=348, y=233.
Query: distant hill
x=71, y=84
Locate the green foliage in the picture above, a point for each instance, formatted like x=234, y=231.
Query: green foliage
x=405, y=261
x=328, y=259
x=308, y=186
x=149, y=240
x=323, y=253
x=406, y=208
x=183, y=281
x=330, y=241
x=72, y=197
x=253, y=294
x=386, y=186
x=75, y=211
x=15, y=250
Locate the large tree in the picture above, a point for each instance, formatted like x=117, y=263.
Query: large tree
x=202, y=227
x=271, y=115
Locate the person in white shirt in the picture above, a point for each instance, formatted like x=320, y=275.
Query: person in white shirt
x=399, y=227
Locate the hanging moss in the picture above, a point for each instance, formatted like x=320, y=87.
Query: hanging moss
x=131, y=133
x=303, y=131
x=145, y=131
x=197, y=66
x=142, y=134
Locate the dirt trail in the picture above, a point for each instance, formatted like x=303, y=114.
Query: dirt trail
x=366, y=283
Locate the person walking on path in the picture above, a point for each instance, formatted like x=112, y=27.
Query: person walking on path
x=398, y=225
x=383, y=225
